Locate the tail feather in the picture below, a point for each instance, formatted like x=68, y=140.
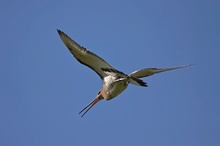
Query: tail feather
x=137, y=82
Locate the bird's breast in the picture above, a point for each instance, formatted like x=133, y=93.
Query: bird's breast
x=114, y=87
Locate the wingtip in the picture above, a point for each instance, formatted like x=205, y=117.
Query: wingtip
x=59, y=31
x=182, y=66
x=62, y=34
x=187, y=65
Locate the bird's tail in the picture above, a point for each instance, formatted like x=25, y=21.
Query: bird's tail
x=137, y=81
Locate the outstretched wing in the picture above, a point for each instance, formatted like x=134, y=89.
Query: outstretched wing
x=84, y=56
x=150, y=71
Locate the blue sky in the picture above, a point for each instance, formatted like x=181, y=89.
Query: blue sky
x=42, y=87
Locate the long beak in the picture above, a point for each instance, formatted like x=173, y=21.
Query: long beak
x=91, y=104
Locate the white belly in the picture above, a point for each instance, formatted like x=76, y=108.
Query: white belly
x=114, y=86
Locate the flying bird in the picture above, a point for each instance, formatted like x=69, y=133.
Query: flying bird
x=114, y=81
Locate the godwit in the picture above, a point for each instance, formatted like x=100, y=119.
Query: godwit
x=114, y=81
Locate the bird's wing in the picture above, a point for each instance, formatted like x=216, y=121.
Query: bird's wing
x=150, y=71
x=114, y=72
x=84, y=56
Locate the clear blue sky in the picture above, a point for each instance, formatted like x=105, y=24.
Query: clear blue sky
x=42, y=87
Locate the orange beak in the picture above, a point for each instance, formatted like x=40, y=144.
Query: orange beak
x=91, y=104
